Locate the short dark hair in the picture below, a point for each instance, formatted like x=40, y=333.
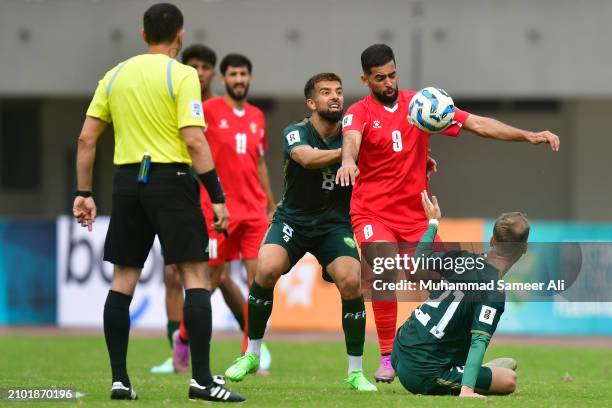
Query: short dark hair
x=314, y=80
x=199, y=52
x=375, y=56
x=162, y=22
x=235, y=60
x=511, y=227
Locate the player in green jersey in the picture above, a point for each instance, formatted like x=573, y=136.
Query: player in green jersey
x=439, y=350
x=313, y=216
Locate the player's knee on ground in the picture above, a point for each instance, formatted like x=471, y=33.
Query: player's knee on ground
x=504, y=381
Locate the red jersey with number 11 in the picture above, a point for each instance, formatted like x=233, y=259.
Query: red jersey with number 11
x=392, y=161
x=237, y=141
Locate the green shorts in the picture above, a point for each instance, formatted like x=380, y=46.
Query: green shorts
x=447, y=381
x=325, y=245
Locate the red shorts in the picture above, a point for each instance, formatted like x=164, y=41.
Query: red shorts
x=369, y=229
x=245, y=237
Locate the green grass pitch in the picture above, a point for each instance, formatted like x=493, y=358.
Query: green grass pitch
x=303, y=374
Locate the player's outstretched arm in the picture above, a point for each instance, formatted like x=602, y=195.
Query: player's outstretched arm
x=84, y=208
x=494, y=129
x=311, y=159
x=433, y=213
x=348, y=172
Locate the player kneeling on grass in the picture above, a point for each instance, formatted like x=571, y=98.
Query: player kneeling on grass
x=439, y=350
x=313, y=216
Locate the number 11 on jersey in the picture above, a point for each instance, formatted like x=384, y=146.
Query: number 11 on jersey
x=241, y=143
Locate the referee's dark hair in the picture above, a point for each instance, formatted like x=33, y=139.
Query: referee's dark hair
x=235, y=60
x=161, y=23
x=199, y=52
x=375, y=56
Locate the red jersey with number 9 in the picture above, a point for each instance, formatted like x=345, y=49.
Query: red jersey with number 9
x=392, y=161
x=237, y=141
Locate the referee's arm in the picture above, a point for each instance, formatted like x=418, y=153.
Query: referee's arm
x=84, y=208
x=198, y=149
x=203, y=163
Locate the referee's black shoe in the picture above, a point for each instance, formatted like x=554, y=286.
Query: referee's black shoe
x=215, y=392
x=121, y=392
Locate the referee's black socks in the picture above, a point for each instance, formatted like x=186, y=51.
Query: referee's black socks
x=117, y=332
x=197, y=315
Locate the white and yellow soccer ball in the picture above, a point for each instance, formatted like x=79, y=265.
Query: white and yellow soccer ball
x=431, y=109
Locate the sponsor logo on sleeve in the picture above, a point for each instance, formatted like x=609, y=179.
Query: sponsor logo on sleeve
x=487, y=314
x=196, y=110
x=293, y=137
x=348, y=120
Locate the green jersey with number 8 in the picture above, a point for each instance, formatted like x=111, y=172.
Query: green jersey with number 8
x=438, y=333
x=311, y=197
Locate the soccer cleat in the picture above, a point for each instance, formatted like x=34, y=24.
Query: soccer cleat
x=265, y=360
x=385, y=372
x=166, y=367
x=357, y=381
x=215, y=392
x=243, y=365
x=180, y=354
x=121, y=392
x=503, y=362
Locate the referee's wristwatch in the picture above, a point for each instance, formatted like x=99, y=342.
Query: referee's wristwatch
x=82, y=193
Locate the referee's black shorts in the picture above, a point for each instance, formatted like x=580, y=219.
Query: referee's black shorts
x=167, y=206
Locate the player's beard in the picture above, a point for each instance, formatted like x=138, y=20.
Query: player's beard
x=329, y=116
x=234, y=95
x=387, y=99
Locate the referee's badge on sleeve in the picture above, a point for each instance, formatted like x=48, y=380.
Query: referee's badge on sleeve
x=196, y=110
x=293, y=137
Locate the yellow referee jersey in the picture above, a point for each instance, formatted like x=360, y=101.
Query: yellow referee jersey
x=149, y=98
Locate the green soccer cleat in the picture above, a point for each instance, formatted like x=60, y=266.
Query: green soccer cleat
x=357, y=381
x=503, y=362
x=164, y=368
x=243, y=365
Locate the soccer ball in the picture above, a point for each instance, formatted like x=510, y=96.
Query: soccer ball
x=431, y=109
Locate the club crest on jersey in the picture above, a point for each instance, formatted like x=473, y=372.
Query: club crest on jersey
x=253, y=127
x=376, y=124
x=350, y=242
x=223, y=124
x=348, y=120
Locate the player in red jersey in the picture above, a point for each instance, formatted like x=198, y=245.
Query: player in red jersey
x=386, y=158
x=236, y=135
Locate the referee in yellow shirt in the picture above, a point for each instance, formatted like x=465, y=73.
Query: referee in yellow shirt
x=155, y=105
